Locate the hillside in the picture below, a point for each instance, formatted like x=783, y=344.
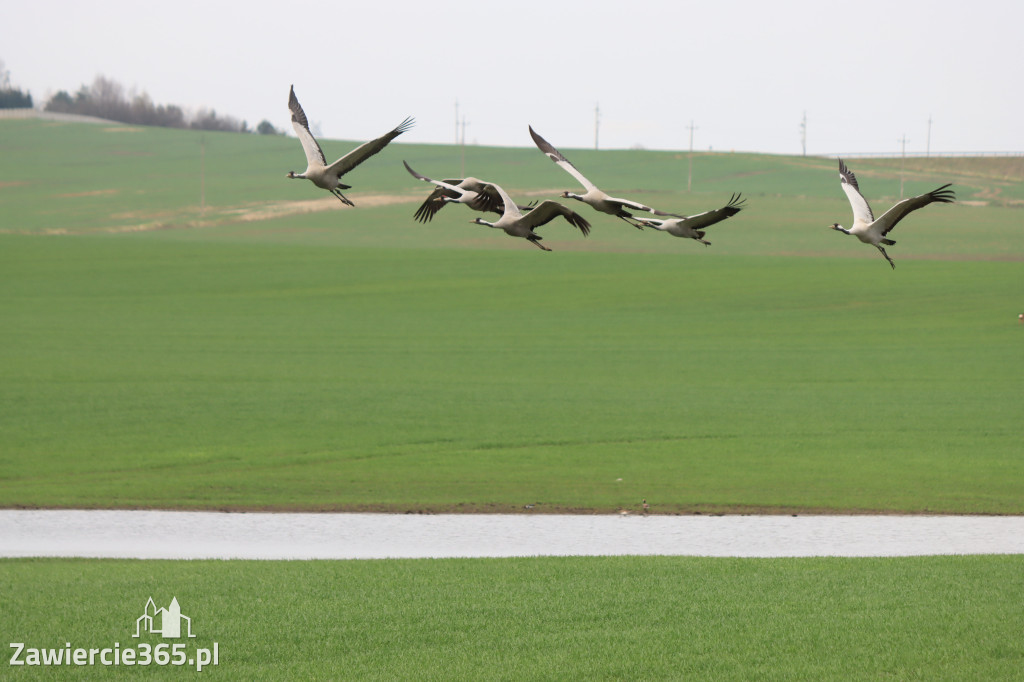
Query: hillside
x=74, y=178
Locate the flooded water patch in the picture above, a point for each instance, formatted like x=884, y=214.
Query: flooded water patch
x=215, y=535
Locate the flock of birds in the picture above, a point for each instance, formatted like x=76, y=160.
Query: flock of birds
x=522, y=220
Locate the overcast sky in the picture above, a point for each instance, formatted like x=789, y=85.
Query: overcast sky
x=745, y=73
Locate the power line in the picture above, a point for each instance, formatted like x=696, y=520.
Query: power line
x=462, y=145
x=903, y=157
x=803, y=134
x=689, y=178
x=928, y=144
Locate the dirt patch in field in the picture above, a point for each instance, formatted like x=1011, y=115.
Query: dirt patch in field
x=93, y=193
x=286, y=208
x=195, y=218
x=245, y=214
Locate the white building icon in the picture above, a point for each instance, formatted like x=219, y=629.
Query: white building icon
x=169, y=620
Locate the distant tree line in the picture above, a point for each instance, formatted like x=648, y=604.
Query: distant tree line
x=107, y=99
x=11, y=97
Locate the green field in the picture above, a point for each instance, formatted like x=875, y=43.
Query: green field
x=156, y=354
x=182, y=327
x=610, y=618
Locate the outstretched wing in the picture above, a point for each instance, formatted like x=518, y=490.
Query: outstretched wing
x=457, y=191
x=848, y=181
x=488, y=195
x=546, y=211
x=637, y=206
x=434, y=203
x=702, y=220
x=488, y=199
x=899, y=211
x=314, y=155
x=368, y=149
x=558, y=158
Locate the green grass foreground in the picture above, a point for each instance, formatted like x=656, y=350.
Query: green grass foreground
x=141, y=372
x=540, y=618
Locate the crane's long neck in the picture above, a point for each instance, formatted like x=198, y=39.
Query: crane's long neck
x=481, y=221
x=842, y=229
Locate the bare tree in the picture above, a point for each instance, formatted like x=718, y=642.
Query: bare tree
x=106, y=98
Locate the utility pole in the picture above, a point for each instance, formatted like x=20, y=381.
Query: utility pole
x=689, y=178
x=903, y=159
x=928, y=144
x=803, y=134
x=597, y=122
x=462, y=145
x=202, y=177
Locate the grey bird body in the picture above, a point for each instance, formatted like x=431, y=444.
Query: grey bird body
x=318, y=171
x=873, y=231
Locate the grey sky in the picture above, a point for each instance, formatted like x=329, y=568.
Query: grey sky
x=866, y=73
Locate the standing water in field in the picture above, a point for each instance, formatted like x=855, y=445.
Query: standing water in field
x=216, y=535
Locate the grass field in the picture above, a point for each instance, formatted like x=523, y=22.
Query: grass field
x=181, y=327
x=539, y=619
x=355, y=359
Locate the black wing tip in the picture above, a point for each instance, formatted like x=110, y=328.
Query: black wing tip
x=846, y=175
x=298, y=115
x=574, y=219
x=545, y=146
x=666, y=214
x=414, y=173
x=405, y=125
x=582, y=224
x=736, y=204
x=943, y=194
x=425, y=213
x=537, y=139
